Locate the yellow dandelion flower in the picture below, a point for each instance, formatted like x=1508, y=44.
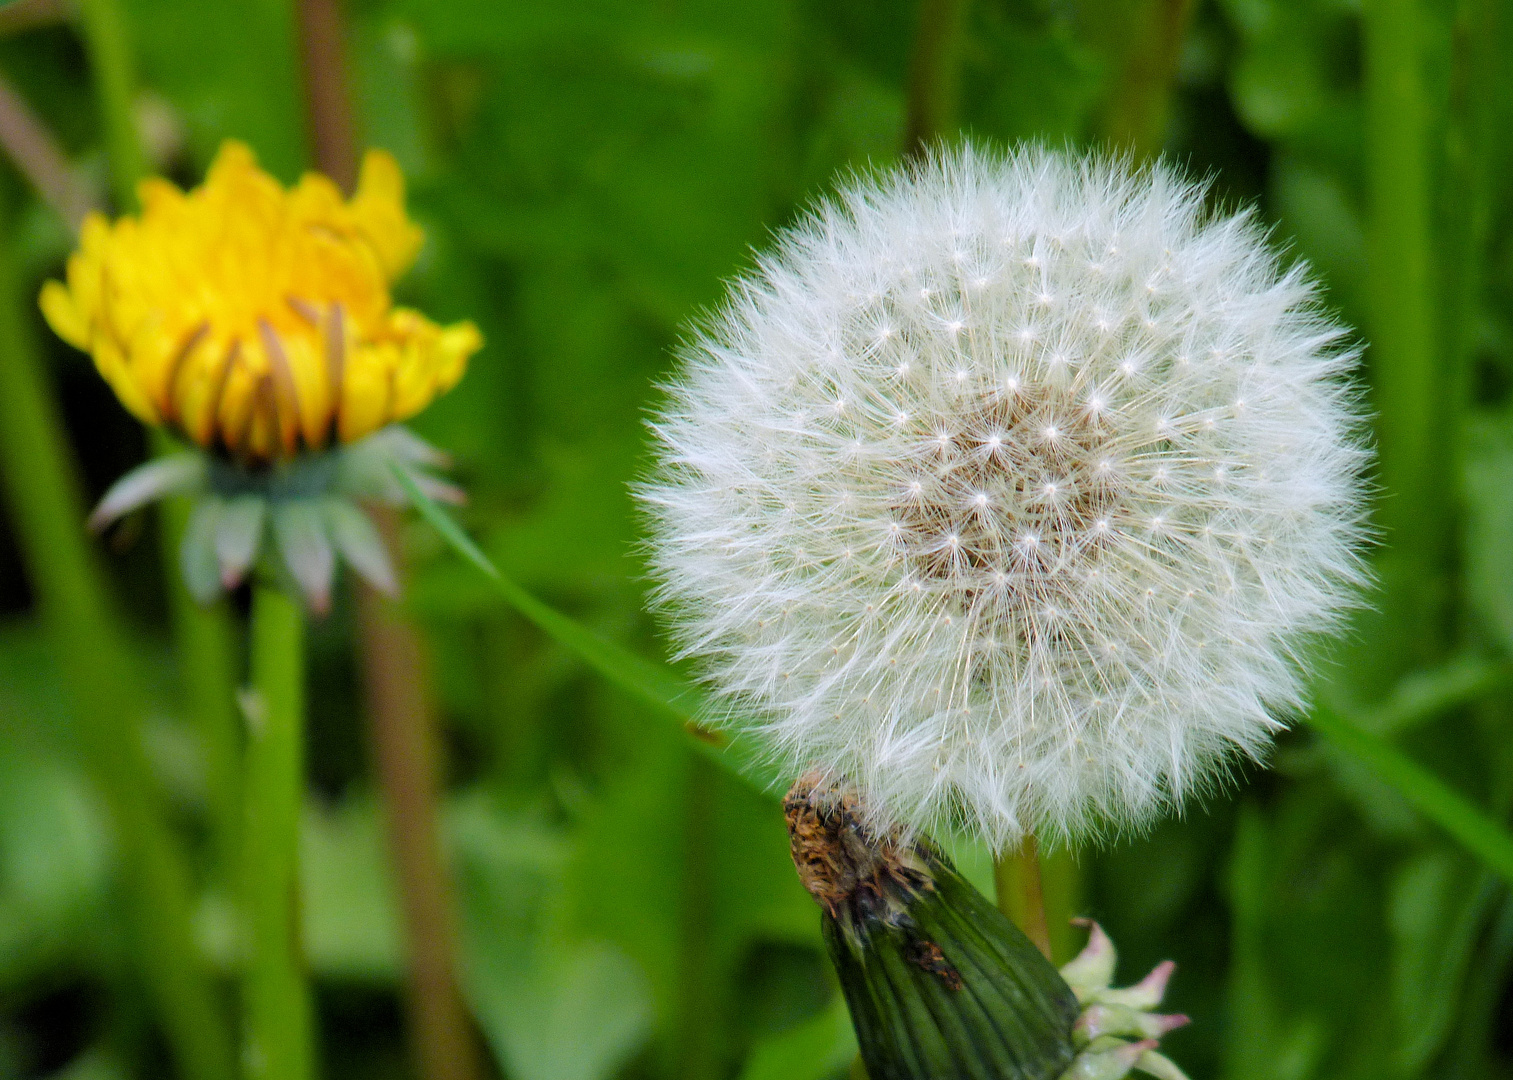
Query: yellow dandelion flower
x=258, y=319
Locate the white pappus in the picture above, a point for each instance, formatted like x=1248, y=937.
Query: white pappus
x=1010, y=487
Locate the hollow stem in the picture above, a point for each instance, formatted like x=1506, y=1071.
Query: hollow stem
x=1021, y=895
x=47, y=514
x=276, y=996
x=934, y=73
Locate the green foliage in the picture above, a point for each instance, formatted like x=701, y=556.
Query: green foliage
x=588, y=174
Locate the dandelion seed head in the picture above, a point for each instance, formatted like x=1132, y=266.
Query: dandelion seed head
x=1073, y=570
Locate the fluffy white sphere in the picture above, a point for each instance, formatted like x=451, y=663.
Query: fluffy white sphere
x=1008, y=488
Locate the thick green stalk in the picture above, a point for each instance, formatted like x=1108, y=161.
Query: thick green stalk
x=276, y=996
x=1410, y=384
x=47, y=514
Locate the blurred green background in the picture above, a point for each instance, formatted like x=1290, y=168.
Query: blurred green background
x=587, y=175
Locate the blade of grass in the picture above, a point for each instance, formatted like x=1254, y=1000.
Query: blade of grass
x=1430, y=795
x=671, y=695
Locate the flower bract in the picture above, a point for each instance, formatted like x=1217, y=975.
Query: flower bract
x=1012, y=488
x=257, y=320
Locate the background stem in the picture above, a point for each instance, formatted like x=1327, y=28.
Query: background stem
x=1020, y=894
x=277, y=1004
x=205, y=647
x=114, y=76
x=47, y=513
x=1141, y=102
x=401, y=720
x=935, y=73
x=1412, y=392
x=396, y=684
x=203, y=638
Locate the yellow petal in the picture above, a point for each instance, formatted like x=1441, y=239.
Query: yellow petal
x=111, y=363
x=200, y=385
x=214, y=309
x=379, y=211
x=366, y=390
x=63, y=315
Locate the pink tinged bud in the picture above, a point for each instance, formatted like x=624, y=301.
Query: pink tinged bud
x=1159, y=1066
x=1113, y=1063
x=1093, y=968
x=1145, y=994
x=1121, y=1020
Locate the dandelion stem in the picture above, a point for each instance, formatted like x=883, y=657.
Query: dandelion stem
x=935, y=72
x=46, y=511
x=328, y=105
x=1020, y=894
x=276, y=997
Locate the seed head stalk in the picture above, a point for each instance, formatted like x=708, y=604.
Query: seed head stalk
x=1021, y=892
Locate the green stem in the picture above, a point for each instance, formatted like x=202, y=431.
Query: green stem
x=1021, y=892
x=276, y=996
x=935, y=73
x=1411, y=389
x=47, y=514
x=1138, y=108
x=110, y=58
x=1470, y=136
